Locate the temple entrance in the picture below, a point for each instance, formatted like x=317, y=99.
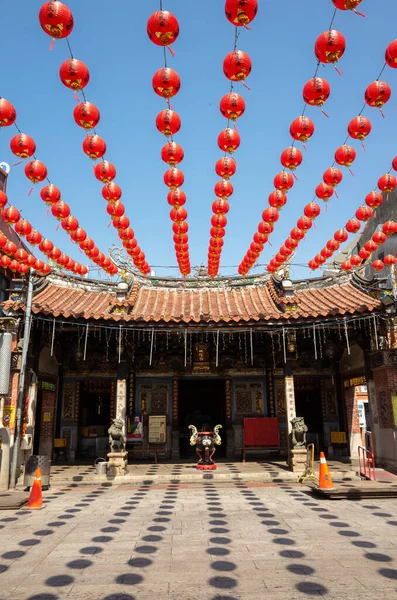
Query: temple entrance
x=94, y=417
x=308, y=405
x=201, y=402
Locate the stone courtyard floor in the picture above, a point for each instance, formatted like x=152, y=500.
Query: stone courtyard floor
x=207, y=541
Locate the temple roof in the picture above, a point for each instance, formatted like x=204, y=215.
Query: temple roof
x=148, y=301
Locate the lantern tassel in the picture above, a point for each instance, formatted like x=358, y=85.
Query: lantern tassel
x=17, y=163
x=57, y=227
x=245, y=85
x=336, y=194
x=31, y=190
x=363, y=145
x=295, y=176
x=171, y=50
x=109, y=224
x=235, y=126
x=359, y=13
x=76, y=96
x=246, y=27
x=304, y=147
x=351, y=172
x=52, y=45
x=338, y=70
x=324, y=113
x=382, y=113
x=47, y=212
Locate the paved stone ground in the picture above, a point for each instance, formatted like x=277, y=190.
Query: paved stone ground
x=211, y=541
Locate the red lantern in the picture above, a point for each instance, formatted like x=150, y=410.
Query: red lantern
x=74, y=74
x=176, y=197
x=168, y=122
x=223, y=188
x=324, y=191
x=225, y=167
x=130, y=243
x=126, y=234
x=387, y=183
x=379, y=238
x=3, y=199
x=332, y=245
x=260, y=238
x=377, y=93
x=353, y=226
x=390, y=260
x=21, y=255
x=316, y=91
x=312, y=210
x=166, y=82
x=121, y=222
x=304, y=223
x=241, y=12
x=394, y=164
x=326, y=253
x=50, y=194
x=364, y=213
x=232, y=106
x=14, y=266
x=220, y=206
x=94, y=146
x=277, y=199
x=87, y=245
x=297, y=234
x=86, y=115
x=270, y=215
x=345, y=155
x=302, y=129
x=4, y=261
x=162, y=28
x=391, y=54
x=111, y=192
x=389, y=228
x=83, y=270
x=172, y=153
x=291, y=243
x=378, y=265
x=56, y=19
x=265, y=227
x=22, y=145
x=70, y=224
x=355, y=260
x=370, y=246
x=181, y=228
x=7, y=113
x=283, y=181
x=373, y=199
x=347, y=5
x=359, y=128
x=78, y=235
x=34, y=237
x=174, y=178
x=10, y=215
x=46, y=246
x=330, y=46
x=54, y=254
x=218, y=221
x=104, y=171
x=346, y=266
x=60, y=210
x=291, y=158
x=115, y=209
x=9, y=248
x=35, y=171
x=313, y=265
x=332, y=176
x=23, y=227
x=229, y=140
x=237, y=65
x=364, y=254
x=284, y=251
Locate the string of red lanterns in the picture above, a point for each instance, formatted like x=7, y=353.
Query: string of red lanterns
x=379, y=237
x=163, y=30
x=56, y=20
x=236, y=67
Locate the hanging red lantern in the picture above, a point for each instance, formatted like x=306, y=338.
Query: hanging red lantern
x=121, y=222
x=3, y=199
x=34, y=237
x=104, y=171
x=7, y=113
x=176, y=197
x=111, y=192
x=359, y=128
x=46, y=246
x=229, y=140
x=22, y=145
x=54, y=254
x=181, y=228
x=218, y=221
x=379, y=238
x=332, y=176
x=353, y=226
x=312, y=210
x=304, y=223
x=387, y=183
x=277, y=199
x=174, y=178
x=390, y=260
x=130, y=243
x=78, y=235
x=265, y=227
x=291, y=158
x=168, y=122
x=391, y=54
x=9, y=248
x=76, y=268
x=364, y=213
x=378, y=265
x=324, y=191
x=21, y=255
x=313, y=265
x=60, y=210
x=346, y=266
x=166, y=82
x=270, y=215
x=364, y=254
x=172, y=153
x=377, y=93
x=316, y=91
x=347, y=5
x=345, y=155
x=35, y=171
x=126, y=234
x=115, y=209
x=260, y=238
x=297, y=234
x=355, y=260
x=326, y=253
x=10, y=215
x=283, y=181
x=87, y=244
x=220, y=206
x=291, y=243
x=241, y=12
x=302, y=129
x=284, y=251
x=83, y=270
x=74, y=74
x=232, y=106
x=23, y=227
x=389, y=228
x=4, y=261
x=94, y=146
x=56, y=19
x=14, y=266
x=162, y=28
x=330, y=46
x=225, y=167
x=86, y=115
x=92, y=253
x=50, y=194
x=280, y=258
x=223, y=188
x=373, y=199
x=332, y=245
x=237, y=65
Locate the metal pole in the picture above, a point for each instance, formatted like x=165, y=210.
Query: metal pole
x=21, y=384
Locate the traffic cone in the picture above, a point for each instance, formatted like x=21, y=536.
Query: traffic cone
x=36, y=495
x=324, y=480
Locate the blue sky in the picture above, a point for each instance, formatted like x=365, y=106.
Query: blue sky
x=121, y=59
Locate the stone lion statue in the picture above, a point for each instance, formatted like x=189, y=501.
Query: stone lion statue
x=298, y=433
x=117, y=438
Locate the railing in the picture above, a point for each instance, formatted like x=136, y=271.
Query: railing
x=367, y=463
x=309, y=467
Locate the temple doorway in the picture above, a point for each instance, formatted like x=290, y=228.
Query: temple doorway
x=308, y=405
x=94, y=417
x=201, y=402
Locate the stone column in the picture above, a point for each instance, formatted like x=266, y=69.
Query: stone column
x=353, y=423
x=175, y=426
x=296, y=456
x=384, y=367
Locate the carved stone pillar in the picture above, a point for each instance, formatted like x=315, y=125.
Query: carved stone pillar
x=290, y=408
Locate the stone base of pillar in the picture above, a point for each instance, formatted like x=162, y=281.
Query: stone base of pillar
x=118, y=464
x=297, y=460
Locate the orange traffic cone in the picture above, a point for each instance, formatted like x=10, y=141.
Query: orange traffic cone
x=36, y=495
x=324, y=480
